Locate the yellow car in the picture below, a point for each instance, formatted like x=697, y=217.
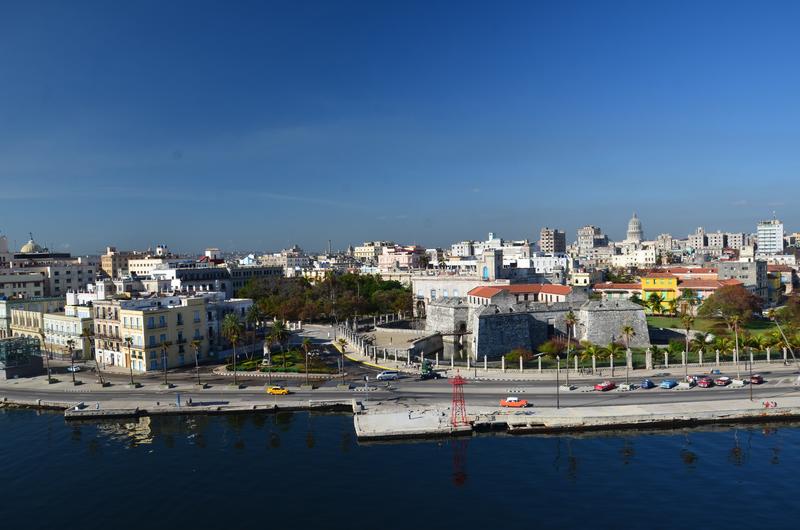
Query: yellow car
x=276, y=390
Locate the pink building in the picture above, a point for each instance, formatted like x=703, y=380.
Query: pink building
x=401, y=258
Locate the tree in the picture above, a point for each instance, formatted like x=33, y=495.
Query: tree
x=571, y=320
x=687, y=320
x=232, y=330
x=672, y=307
x=731, y=300
x=700, y=341
x=654, y=303
x=129, y=344
x=281, y=336
x=592, y=350
x=253, y=318
x=88, y=333
x=306, y=345
x=165, y=358
x=611, y=351
x=724, y=345
x=196, y=344
x=71, y=347
x=627, y=334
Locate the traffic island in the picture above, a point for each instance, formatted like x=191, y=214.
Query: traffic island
x=308, y=386
x=201, y=386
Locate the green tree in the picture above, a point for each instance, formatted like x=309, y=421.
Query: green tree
x=729, y=301
x=687, y=320
x=654, y=303
x=306, y=345
x=612, y=351
x=281, y=335
x=232, y=330
x=253, y=318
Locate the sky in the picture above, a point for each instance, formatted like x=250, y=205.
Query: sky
x=257, y=125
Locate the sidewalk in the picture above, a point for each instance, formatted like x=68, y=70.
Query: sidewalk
x=513, y=373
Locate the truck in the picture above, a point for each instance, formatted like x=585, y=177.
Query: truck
x=427, y=371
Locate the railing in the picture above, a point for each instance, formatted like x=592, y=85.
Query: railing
x=157, y=325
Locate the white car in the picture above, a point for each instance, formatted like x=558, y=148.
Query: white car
x=627, y=387
x=73, y=368
x=388, y=376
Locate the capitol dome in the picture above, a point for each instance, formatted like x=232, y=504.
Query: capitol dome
x=635, y=234
x=31, y=247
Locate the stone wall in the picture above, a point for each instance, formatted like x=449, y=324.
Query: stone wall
x=601, y=322
x=499, y=333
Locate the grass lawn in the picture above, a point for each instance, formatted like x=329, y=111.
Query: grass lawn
x=709, y=325
x=294, y=362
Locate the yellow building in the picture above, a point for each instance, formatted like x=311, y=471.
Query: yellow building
x=663, y=284
x=161, y=330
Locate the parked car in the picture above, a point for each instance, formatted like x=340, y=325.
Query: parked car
x=73, y=368
x=626, y=387
x=756, y=379
x=277, y=390
x=430, y=375
x=605, y=385
x=686, y=385
x=388, y=375
x=648, y=384
x=722, y=381
x=705, y=382
x=514, y=402
x=668, y=384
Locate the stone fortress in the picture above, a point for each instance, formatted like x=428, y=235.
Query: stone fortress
x=494, y=330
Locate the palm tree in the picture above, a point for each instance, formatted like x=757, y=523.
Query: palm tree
x=281, y=335
x=612, y=350
x=342, y=343
x=164, y=347
x=571, y=321
x=46, y=356
x=253, y=318
x=592, y=350
x=306, y=345
x=687, y=321
x=654, y=303
x=733, y=322
x=672, y=307
x=88, y=333
x=129, y=342
x=232, y=330
x=71, y=346
x=724, y=345
x=196, y=344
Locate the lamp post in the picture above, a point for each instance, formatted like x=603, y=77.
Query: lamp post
x=71, y=346
x=558, y=369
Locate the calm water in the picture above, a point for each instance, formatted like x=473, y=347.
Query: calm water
x=307, y=471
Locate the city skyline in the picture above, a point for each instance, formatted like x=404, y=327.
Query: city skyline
x=271, y=124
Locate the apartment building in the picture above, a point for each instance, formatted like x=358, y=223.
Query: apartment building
x=552, y=240
x=161, y=329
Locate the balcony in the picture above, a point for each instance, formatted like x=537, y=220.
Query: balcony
x=157, y=325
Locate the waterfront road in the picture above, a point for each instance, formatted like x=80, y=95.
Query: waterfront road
x=407, y=389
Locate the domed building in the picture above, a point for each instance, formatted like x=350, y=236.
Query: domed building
x=635, y=234
x=32, y=247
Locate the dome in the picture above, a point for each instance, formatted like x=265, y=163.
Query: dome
x=635, y=229
x=31, y=247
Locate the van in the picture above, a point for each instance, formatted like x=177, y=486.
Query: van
x=388, y=376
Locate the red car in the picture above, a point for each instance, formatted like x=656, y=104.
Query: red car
x=756, y=379
x=705, y=382
x=605, y=385
x=722, y=381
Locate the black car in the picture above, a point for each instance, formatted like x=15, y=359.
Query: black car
x=430, y=375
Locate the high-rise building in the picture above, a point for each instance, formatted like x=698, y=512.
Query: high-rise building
x=717, y=240
x=552, y=240
x=698, y=240
x=590, y=237
x=770, y=237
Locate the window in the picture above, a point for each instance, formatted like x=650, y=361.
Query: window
x=152, y=342
x=151, y=322
x=433, y=294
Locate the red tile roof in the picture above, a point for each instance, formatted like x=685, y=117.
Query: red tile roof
x=779, y=268
x=610, y=286
x=486, y=291
x=707, y=284
x=660, y=275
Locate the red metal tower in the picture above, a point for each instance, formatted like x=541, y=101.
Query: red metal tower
x=458, y=410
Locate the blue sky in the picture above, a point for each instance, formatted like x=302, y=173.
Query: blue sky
x=261, y=124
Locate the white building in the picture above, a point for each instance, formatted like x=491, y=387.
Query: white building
x=641, y=258
x=770, y=237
